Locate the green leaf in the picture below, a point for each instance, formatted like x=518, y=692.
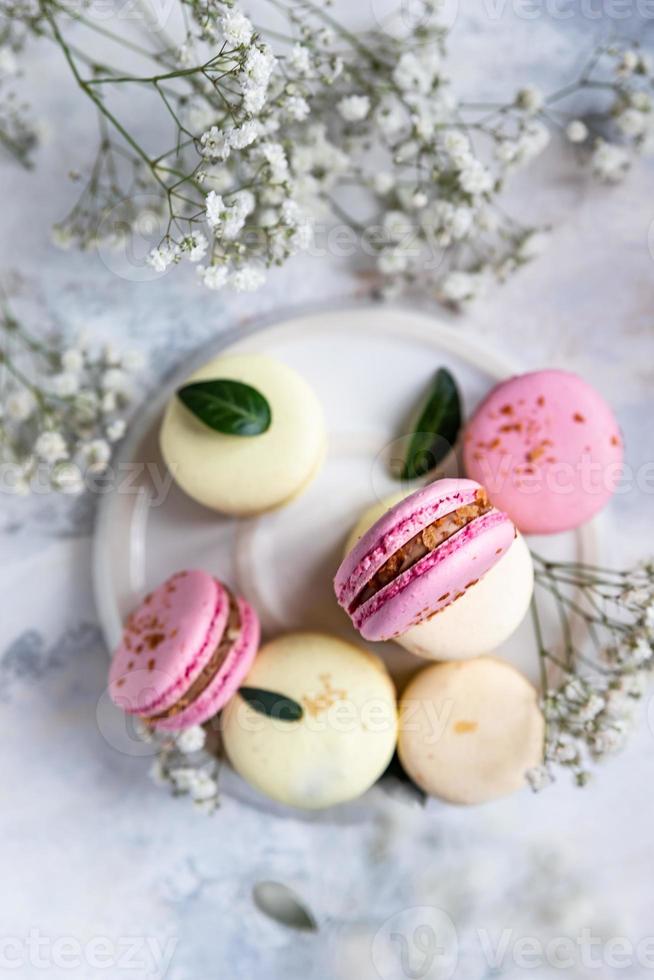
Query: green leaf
x=437, y=429
x=227, y=406
x=272, y=704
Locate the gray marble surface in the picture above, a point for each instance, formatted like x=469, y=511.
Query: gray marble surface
x=103, y=874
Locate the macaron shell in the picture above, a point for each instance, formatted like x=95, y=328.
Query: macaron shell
x=248, y=475
x=440, y=578
x=228, y=678
x=166, y=643
x=347, y=734
x=484, y=617
x=548, y=449
x=470, y=731
x=395, y=528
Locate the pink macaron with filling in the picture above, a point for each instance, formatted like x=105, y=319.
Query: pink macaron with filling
x=184, y=652
x=548, y=449
x=422, y=555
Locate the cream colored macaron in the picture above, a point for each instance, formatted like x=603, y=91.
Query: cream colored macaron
x=481, y=619
x=244, y=475
x=347, y=733
x=470, y=731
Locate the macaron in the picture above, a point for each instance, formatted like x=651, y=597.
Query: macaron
x=343, y=740
x=246, y=475
x=424, y=554
x=548, y=449
x=470, y=731
x=483, y=617
x=184, y=652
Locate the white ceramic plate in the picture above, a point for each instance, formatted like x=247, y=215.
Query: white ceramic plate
x=369, y=366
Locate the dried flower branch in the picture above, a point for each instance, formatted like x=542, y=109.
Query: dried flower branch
x=268, y=144
x=593, y=686
x=61, y=408
x=185, y=765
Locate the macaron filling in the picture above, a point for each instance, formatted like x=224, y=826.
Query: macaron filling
x=426, y=541
x=230, y=636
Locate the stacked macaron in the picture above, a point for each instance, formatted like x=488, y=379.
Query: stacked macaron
x=442, y=571
x=184, y=652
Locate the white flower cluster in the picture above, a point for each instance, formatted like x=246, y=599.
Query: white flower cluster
x=61, y=410
x=269, y=142
x=185, y=765
x=627, y=130
x=593, y=709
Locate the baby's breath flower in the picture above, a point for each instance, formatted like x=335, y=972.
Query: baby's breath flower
x=51, y=447
x=530, y=98
x=236, y=28
x=214, y=276
x=576, y=131
x=354, y=108
x=72, y=360
x=116, y=430
x=65, y=385
x=247, y=279
x=20, y=404
x=191, y=740
x=609, y=161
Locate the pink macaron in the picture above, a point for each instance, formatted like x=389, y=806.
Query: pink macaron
x=184, y=652
x=547, y=448
x=420, y=556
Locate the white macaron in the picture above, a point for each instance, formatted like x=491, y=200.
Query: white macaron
x=470, y=731
x=345, y=737
x=244, y=475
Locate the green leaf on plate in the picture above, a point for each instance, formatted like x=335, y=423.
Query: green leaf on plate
x=437, y=428
x=227, y=406
x=272, y=704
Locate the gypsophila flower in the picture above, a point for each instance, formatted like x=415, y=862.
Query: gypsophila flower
x=247, y=279
x=590, y=712
x=300, y=59
x=20, y=405
x=215, y=209
x=345, y=128
x=65, y=385
x=116, y=430
x=162, y=257
x=214, y=276
x=530, y=98
x=195, y=246
x=538, y=778
x=609, y=162
x=236, y=28
x=576, y=131
x=67, y=478
x=191, y=740
x=51, y=447
x=96, y=454
x=72, y=360
x=354, y=108
x=632, y=122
